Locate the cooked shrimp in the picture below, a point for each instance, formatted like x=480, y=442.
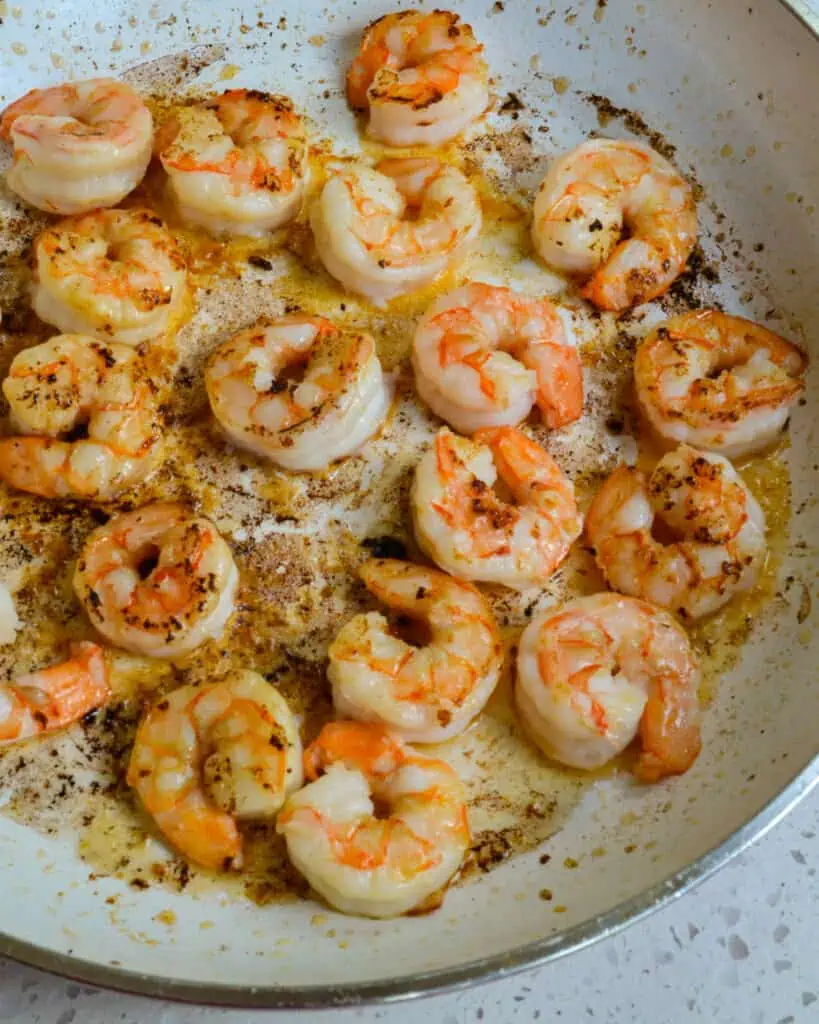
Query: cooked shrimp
x=469, y=531
x=208, y=757
x=71, y=382
x=594, y=193
x=360, y=862
x=597, y=672
x=721, y=383
x=77, y=146
x=484, y=355
x=54, y=697
x=702, y=501
x=116, y=275
x=301, y=424
x=367, y=238
x=157, y=581
x=427, y=693
x=421, y=77
x=236, y=163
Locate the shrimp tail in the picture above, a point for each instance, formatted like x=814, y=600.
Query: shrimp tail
x=208, y=835
x=560, y=389
x=368, y=747
x=669, y=734
x=55, y=697
x=22, y=461
x=521, y=463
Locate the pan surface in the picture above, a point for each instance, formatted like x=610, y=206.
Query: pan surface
x=731, y=90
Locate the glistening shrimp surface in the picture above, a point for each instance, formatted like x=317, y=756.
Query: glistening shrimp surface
x=299, y=539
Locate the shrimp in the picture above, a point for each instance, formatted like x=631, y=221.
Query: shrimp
x=701, y=500
x=387, y=231
x=361, y=862
x=54, y=697
x=208, y=757
x=420, y=76
x=77, y=146
x=718, y=382
x=157, y=581
x=597, y=672
x=116, y=275
x=72, y=382
x=469, y=531
x=340, y=401
x=484, y=355
x=236, y=164
x=594, y=193
x=428, y=693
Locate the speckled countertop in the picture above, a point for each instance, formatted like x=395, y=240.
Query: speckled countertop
x=741, y=949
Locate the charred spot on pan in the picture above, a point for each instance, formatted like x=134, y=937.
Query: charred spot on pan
x=699, y=275
x=634, y=122
x=260, y=262
x=385, y=547
x=512, y=104
x=490, y=849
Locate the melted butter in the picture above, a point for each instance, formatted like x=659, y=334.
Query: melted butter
x=719, y=638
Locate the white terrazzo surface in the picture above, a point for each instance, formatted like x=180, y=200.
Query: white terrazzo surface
x=741, y=949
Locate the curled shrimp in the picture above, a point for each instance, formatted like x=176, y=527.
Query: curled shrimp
x=420, y=76
x=52, y=698
x=77, y=146
x=597, y=672
x=425, y=694
x=206, y=758
x=718, y=526
x=157, y=581
x=338, y=403
x=718, y=382
x=392, y=229
x=116, y=275
x=71, y=382
x=362, y=863
x=483, y=356
x=236, y=163
x=468, y=530
x=590, y=195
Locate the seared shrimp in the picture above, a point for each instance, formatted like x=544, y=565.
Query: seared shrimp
x=208, y=757
x=484, y=355
x=377, y=865
x=420, y=76
x=597, y=672
x=387, y=231
x=157, y=581
x=590, y=195
x=54, y=697
x=236, y=163
x=69, y=382
x=77, y=146
x=701, y=500
x=301, y=424
x=116, y=275
x=718, y=382
x=426, y=693
x=469, y=531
